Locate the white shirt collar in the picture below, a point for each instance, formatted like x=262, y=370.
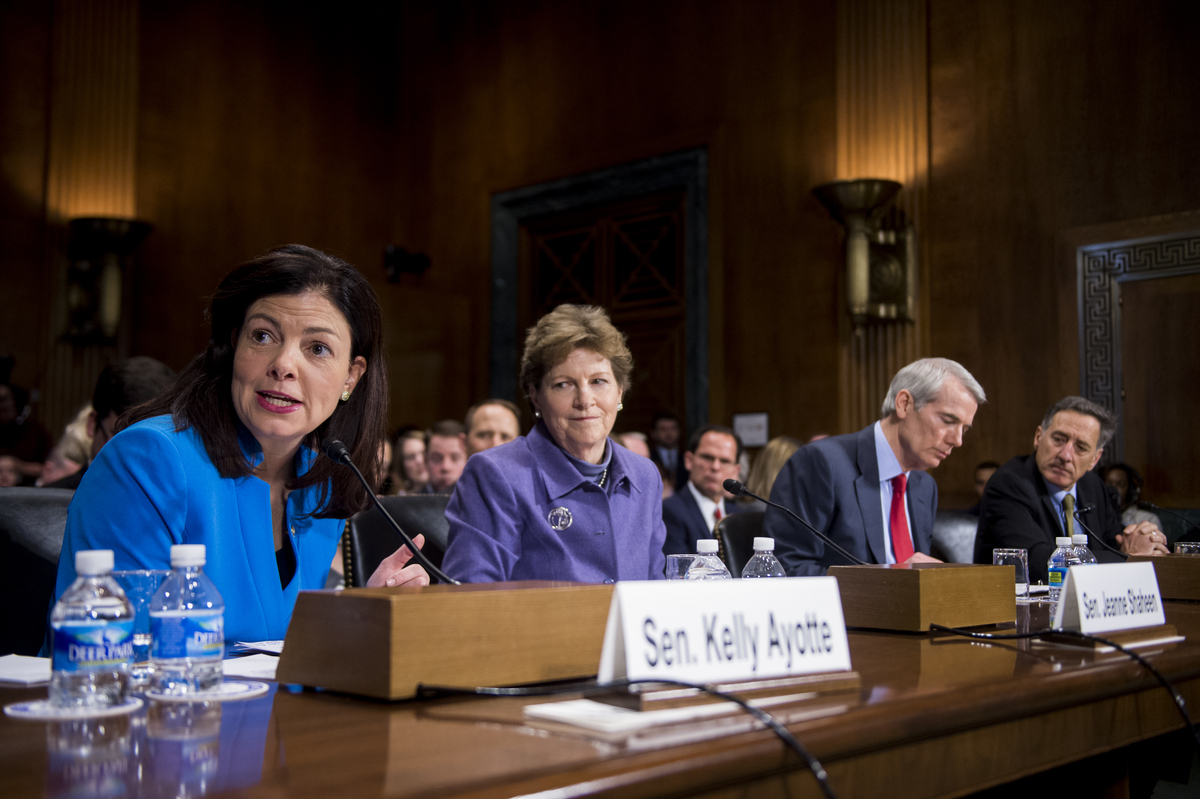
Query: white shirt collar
x=889, y=464
x=707, y=506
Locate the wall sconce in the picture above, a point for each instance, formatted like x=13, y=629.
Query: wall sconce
x=99, y=250
x=881, y=273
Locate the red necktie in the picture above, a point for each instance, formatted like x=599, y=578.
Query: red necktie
x=717, y=513
x=898, y=523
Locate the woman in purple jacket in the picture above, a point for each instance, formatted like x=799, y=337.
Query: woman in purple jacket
x=564, y=502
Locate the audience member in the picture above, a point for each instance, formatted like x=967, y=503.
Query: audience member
x=834, y=482
x=983, y=473
x=23, y=438
x=410, y=475
x=10, y=475
x=491, y=423
x=1032, y=499
x=664, y=448
x=72, y=451
x=634, y=442
x=120, y=387
x=766, y=467
x=693, y=512
x=445, y=456
x=1128, y=483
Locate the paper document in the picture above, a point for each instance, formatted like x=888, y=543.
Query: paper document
x=24, y=670
x=273, y=647
x=261, y=667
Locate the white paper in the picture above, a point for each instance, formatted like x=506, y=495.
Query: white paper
x=260, y=667
x=262, y=646
x=24, y=670
x=717, y=631
x=1103, y=598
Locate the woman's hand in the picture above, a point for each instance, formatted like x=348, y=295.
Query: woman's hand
x=392, y=571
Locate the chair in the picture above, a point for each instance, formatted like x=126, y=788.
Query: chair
x=369, y=538
x=737, y=532
x=954, y=536
x=32, y=524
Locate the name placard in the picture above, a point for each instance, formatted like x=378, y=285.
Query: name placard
x=1101, y=598
x=716, y=631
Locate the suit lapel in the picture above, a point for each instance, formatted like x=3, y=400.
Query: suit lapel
x=866, y=488
x=919, y=511
x=699, y=526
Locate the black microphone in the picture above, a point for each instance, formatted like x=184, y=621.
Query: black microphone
x=1144, y=505
x=336, y=451
x=1089, y=509
x=736, y=488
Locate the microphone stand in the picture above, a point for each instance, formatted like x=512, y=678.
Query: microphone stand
x=336, y=451
x=736, y=488
x=1146, y=505
x=1102, y=542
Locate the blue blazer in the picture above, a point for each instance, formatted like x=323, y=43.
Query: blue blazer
x=685, y=523
x=834, y=484
x=152, y=487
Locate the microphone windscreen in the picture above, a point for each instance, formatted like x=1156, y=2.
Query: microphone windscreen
x=335, y=450
x=734, y=487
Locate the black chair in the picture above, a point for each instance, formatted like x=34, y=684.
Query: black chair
x=32, y=524
x=737, y=532
x=954, y=536
x=369, y=538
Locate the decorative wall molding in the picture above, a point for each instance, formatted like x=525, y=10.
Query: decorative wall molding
x=1101, y=269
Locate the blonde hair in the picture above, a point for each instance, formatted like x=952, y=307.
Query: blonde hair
x=566, y=329
x=769, y=462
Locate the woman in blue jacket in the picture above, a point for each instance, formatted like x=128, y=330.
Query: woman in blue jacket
x=228, y=456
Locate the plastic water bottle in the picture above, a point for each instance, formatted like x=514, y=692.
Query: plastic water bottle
x=1061, y=559
x=1079, y=544
x=707, y=564
x=92, y=624
x=764, y=563
x=187, y=625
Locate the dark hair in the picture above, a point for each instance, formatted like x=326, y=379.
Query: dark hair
x=660, y=415
x=1108, y=422
x=202, y=396
x=1134, y=491
x=447, y=428
x=507, y=405
x=987, y=465
x=694, y=442
x=128, y=383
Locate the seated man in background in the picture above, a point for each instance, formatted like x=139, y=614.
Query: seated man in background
x=693, y=512
x=491, y=423
x=634, y=442
x=119, y=387
x=868, y=491
x=445, y=456
x=664, y=449
x=1033, y=499
x=983, y=473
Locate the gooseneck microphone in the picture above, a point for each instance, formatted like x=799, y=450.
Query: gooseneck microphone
x=1102, y=542
x=337, y=452
x=736, y=488
x=1144, y=505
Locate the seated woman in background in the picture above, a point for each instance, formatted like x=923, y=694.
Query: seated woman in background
x=1128, y=483
x=564, y=502
x=409, y=473
x=767, y=465
x=228, y=456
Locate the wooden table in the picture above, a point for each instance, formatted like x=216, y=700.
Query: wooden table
x=937, y=716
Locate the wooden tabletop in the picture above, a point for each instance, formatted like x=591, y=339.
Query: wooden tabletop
x=953, y=715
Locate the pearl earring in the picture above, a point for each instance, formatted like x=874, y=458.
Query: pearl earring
x=346, y=395
x=537, y=414
x=620, y=406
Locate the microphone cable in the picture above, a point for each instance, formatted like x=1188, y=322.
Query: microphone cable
x=1176, y=698
x=736, y=488
x=591, y=687
x=336, y=451
x=1103, y=543
x=1146, y=505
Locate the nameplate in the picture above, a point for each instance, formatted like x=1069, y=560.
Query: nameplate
x=1100, y=598
x=715, y=631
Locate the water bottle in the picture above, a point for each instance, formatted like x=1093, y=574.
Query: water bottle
x=1061, y=559
x=1079, y=544
x=92, y=624
x=187, y=625
x=764, y=563
x=707, y=565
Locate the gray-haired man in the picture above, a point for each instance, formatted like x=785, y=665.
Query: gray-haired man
x=1032, y=500
x=868, y=491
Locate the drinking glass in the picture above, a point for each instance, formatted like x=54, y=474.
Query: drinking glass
x=139, y=585
x=1187, y=548
x=678, y=565
x=1019, y=560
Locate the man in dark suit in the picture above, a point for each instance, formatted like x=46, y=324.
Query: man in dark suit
x=692, y=512
x=868, y=491
x=1032, y=500
x=664, y=449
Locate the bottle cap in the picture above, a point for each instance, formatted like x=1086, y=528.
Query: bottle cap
x=1079, y=538
x=187, y=555
x=94, y=561
x=764, y=543
x=1061, y=541
x=707, y=546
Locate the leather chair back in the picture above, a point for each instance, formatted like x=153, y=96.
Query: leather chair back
x=737, y=532
x=369, y=538
x=32, y=524
x=954, y=536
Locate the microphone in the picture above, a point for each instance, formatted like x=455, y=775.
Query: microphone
x=1103, y=543
x=336, y=451
x=736, y=488
x=1144, y=505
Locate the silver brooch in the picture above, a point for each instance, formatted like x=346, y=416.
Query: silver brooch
x=560, y=519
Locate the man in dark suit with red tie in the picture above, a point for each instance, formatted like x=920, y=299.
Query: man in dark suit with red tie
x=868, y=491
x=693, y=511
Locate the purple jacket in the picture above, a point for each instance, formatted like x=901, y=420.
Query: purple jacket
x=522, y=511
